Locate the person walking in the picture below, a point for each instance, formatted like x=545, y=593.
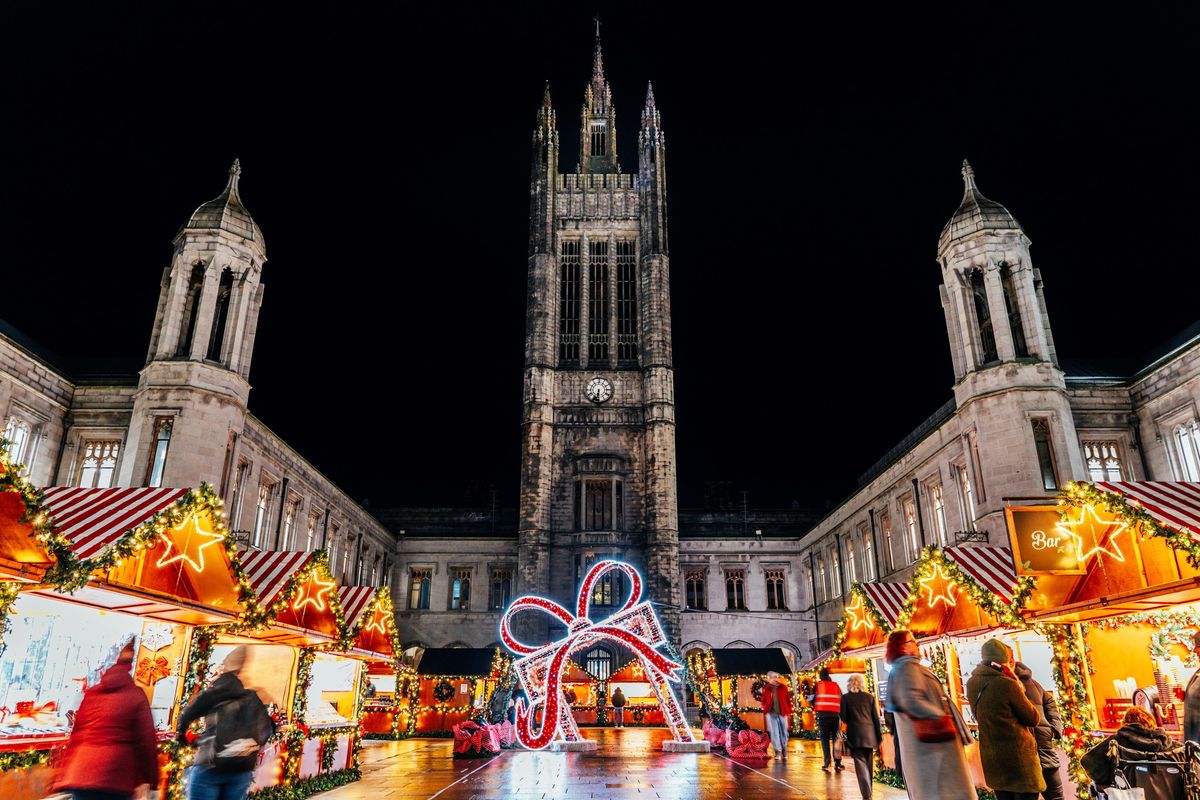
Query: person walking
x=618, y=704
x=1049, y=728
x=933, y=770
x=777, y=708
x=236, y=726
x=1006, y=718
x=112, y=753
x=860, y=715
x=827, y=705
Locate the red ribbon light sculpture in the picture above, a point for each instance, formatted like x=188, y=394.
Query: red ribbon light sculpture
x=634, y=626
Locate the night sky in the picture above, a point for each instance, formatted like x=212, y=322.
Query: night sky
x=812, y=161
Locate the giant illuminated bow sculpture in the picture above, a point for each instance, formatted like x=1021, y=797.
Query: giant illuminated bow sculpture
x=634, y=626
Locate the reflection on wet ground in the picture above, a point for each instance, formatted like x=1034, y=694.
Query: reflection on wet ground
x=629, y=763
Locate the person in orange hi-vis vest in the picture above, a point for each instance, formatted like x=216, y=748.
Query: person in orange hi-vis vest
x=827, y=705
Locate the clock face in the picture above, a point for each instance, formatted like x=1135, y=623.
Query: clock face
x=598, y=390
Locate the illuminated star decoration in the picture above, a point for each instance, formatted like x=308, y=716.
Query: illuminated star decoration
x=943, y=596
x=186, y=542
x=858, y=613
x=377, y=621
x=1089, y=522
x=314, y=592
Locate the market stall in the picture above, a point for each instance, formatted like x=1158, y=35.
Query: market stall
x=733, y=678
x=370, y=636
x=1117, y=596
x=147, y=564
x=290, y=632
x=452, y=684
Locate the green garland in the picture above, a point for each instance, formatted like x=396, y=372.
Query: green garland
x=1072, y=663
x=1006, y=613
x=1079, y=494
x=8, y=599
x=23, y=759
x=858, y=592
x=305, y=787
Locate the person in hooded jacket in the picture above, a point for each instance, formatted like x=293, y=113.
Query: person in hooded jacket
x=1006, y=718
x=1049, y=729
x=1138, y=739
x=205, y=782
x=112, y=752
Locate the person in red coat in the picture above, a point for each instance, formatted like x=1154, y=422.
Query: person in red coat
x=112, y=753
x=777, y=707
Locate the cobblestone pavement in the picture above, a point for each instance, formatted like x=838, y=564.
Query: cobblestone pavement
x=628, y=764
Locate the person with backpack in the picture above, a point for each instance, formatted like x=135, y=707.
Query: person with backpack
x=236, y=726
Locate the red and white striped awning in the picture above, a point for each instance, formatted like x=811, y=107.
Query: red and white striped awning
x=990, y=567
x=355, y=600
x=93, y=519
x=269, y=570
x=1175, y=504
x=888, y=598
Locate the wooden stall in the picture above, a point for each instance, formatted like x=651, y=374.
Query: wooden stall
x=452, y=683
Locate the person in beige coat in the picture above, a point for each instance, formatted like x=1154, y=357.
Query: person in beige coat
x=932, y=770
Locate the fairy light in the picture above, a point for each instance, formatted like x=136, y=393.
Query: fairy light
x=1090, y=523
x=186, y=542
x=945, y=595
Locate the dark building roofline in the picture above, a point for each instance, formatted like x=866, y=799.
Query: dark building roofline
x=106, y=371
x=749, y=661
x=1117, y=371
x=931, y=423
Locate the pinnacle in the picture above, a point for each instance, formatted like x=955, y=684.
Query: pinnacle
x=235, y=173
x=650, y=96
x=546, y=96
x=968, y=177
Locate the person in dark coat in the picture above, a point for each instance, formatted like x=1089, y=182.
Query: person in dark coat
x=860, y=715
x=1138, y=739
x=1049, y=729
x=1006, y=719
x=112, y=752
x=205, y=782
x=618, y=703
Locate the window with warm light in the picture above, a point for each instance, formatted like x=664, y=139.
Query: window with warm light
x=868, y=555
x=696, y=598
x=460, y=589
x=99, y=463
x=889, y=541
x=310, y=533
x=599, y=662
x=776, y=596
x=289, y=524
x=835, y=572
x=419, y=583
x=735, y=589
x=822, y=580
x=851, y=566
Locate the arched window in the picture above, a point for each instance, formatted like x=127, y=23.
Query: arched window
x=1187, y=440
x=99, y=464
x=868, y=557
x=220, y=315
x=568, y=305
x=1014, y=311
x=627, y=313
x=191, y=310
x=598, y=301
x=983, y=318
x=696, y=598
x=599, y=503
x=599, y=662
x=735, y=589
x=851, y=567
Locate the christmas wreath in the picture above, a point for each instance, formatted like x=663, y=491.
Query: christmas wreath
x=757, y=687
x=443, y=692
x=639, y=714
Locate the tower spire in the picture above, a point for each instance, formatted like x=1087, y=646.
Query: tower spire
x=235, y=174
x=597, y=62
x=968, y=175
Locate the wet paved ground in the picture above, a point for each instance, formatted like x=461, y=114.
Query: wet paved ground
x=628, y=764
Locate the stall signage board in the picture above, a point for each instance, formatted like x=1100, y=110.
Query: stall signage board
x=1039, y=546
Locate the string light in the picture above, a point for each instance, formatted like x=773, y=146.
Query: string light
x=1090, y=522
x=187, y=540
x=310, y=597
x=945, y=595
x=858, y=615
x=634, y=626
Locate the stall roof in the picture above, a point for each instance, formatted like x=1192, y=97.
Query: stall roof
x=750, y=660
x=269, y=570
x=888, y=598
x=93, y=519
x=456, y=661
x=991, y=567
x=1175, y=504
x=355, y=600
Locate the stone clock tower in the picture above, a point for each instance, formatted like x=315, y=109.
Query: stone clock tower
x=598, y=452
